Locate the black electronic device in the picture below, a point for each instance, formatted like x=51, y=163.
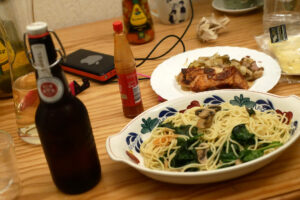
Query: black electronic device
x=90, y=64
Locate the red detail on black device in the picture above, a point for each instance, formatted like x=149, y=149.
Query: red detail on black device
x=90, y=64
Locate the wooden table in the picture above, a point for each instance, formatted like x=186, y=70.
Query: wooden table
x=279, y=180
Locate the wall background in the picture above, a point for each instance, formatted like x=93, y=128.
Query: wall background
x=64, y=13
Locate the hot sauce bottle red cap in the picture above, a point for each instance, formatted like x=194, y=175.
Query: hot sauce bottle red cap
x=118, y=26
x=37, y=29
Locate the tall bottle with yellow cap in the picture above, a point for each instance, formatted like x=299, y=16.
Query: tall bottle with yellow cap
x=138, y=25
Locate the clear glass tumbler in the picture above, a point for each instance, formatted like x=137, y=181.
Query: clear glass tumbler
x=9, y=179
x=278, y=12
x=281, y=21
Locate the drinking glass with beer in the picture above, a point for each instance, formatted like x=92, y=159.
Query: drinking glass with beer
x=25, y=94
x=26, y=99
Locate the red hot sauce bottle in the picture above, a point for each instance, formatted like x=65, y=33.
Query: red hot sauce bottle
x=126, y=72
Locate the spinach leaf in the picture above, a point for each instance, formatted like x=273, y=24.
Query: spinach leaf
x=194, y=131
x=248, y=155
x=180, y=141
x=209, y=153
x=183, y=155
x=242, y=135
x=226, y=165
x=167, y=125
x=182, y=130
x=270, y=144
x=162, y=159
x=192, y=169
x=194, y=139
x=229, y=156
x=250, y=111
x=165, y=156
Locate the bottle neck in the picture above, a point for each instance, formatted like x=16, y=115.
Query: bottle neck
x=123, y=56
x=51, y=82
x=39, y=45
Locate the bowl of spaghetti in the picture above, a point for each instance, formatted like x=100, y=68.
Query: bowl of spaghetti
x=209, y=136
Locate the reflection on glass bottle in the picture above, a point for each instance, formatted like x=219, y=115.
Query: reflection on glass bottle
x=5, y=84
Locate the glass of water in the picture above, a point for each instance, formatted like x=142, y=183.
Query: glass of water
x=9, y=179
x=281, y=22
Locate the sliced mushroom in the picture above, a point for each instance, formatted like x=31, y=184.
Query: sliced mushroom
x=238, y=161
x=202, y=155
x=205, y=112
x=165, y=164
x=198, y=111
x=205, y=117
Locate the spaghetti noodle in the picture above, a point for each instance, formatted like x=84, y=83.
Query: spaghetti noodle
x=235, y=136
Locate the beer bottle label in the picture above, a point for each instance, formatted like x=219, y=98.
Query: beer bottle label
x=50, y=89
x=41, y=62
x=129, y=89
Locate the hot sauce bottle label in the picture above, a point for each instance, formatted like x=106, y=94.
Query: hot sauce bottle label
x=129, y=89
x=50, y=89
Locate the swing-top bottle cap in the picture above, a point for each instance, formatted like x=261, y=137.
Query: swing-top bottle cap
x=37, y=28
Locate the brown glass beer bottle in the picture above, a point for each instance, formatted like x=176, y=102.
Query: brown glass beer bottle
x=126, y=72
x=62, y=120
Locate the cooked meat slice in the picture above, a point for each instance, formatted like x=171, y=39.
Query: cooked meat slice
x=201, y=79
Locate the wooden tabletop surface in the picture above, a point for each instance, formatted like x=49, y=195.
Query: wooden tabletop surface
x=278, y=180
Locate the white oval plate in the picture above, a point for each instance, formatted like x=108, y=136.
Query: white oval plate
x=219, y=5
x=163, y=79
x=138, y=130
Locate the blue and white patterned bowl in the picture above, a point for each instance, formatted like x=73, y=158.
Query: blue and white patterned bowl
x=138, y=130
